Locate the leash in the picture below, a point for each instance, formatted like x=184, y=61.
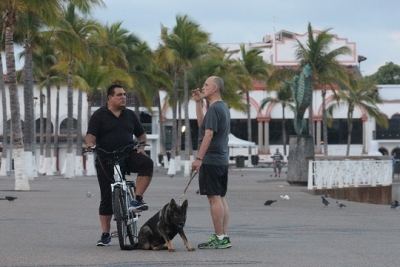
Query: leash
x=192, y=175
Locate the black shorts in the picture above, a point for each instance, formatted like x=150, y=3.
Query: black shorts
x=136, y=163
x=213, y=180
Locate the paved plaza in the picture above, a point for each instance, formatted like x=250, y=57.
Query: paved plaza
x=56, y=224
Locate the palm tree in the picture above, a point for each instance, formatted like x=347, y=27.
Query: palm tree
x=254, y=68
x=89, y=78
x=360, y=94
x=326, y=70
x=71, y=37
x=45, y=58
x=165, y=58
x=46, y=10
x=3, y=169
x=285, y=98
x=188, y=43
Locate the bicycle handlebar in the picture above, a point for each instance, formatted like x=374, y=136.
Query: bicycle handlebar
x=133, y=145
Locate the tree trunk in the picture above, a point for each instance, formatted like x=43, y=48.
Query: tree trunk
x=78, y=152
x=28, y=100
x=187, y=122
x=311, y=130
x=248, y=119
x=172, y=164
x=179, y=137
x=284, y=130
x=29, y=122
x=69, y=160
x=56, y=127
x=324, y=124
x=161, y=132
x=350, y=128
x=41, y=133
x=21, y=179
x=47, y=157
x=3, y=169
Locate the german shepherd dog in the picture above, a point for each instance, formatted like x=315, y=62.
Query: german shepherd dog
x=163, y=227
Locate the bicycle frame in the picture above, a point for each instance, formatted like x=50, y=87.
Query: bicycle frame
x=126, y=220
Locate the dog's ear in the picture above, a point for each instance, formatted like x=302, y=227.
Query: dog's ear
x=172, y=202
x=185, y=205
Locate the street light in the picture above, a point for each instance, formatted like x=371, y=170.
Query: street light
x=360, y=59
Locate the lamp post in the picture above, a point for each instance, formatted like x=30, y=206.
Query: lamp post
x=360, y=59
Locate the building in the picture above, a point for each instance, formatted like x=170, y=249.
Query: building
x=266, y=123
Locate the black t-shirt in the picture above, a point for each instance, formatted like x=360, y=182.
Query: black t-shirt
x=113, y=132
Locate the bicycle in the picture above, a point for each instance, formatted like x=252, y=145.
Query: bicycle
x=123, y=192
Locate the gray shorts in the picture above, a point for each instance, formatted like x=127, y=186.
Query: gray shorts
x=277, y=165
x=213, y=180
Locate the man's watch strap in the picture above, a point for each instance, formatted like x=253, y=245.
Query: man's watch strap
x=199, y=159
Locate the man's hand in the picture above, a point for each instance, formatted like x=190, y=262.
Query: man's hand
x=196, y=165
x=196, y=94
x=141, y=150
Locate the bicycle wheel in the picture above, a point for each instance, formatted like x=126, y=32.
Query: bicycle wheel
x=121, y=216
x=131, y=221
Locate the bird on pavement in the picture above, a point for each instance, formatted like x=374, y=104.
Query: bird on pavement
x=89, y=194
x=10, y=198
x=325, y=201
x=394, y=205
x=269, y=202
x=340, y=204
x=286, y=197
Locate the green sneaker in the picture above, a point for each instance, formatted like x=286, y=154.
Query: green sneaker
x=213, y=242
x=225, y=243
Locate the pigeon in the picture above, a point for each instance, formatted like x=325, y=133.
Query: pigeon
x=324, y=201
x=340, y=204
x=394, y=205
x=89, y=194
x=10, y=198
x=269, y=202
x=286, y=197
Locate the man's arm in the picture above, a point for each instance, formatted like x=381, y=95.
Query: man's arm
x=90, y=140
x=199, y=105
x=199, y=112
x=142, y=138
x=208, y=136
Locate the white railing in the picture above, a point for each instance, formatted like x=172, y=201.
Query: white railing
x=338, y=173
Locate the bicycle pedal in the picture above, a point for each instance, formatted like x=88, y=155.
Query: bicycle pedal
x=114, y=234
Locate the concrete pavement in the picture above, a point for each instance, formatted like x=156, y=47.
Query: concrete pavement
x=56, y=224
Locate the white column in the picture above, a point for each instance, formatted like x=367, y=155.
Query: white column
x=266, y=136
x=260, y=135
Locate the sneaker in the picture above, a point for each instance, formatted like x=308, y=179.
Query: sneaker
x=138, y=205
x=105, y=240
x=213, y=242
x=225, y=243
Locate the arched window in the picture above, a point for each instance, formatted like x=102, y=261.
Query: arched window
x=63, y=126
x=37, y=125
x=393, y=132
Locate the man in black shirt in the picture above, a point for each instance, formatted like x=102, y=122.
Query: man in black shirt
x=111, y=127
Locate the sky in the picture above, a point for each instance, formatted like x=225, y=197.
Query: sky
x=374, y=25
